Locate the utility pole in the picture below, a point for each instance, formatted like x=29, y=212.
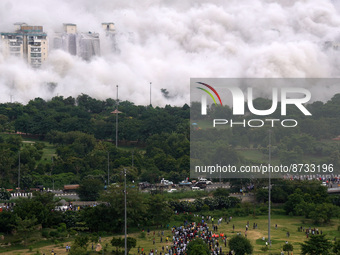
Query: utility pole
x=108, y=169
x=150, y=93
x=19, y=172
x=117, y=120
x=51, y=172
x=132, y=159
x=269, y=189
x=116, y=112
x=125, y=227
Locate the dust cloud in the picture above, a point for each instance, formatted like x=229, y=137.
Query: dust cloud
x=168, y=42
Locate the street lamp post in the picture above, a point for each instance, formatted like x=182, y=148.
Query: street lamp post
x=150, y=93
x=125, y=225
x=117, y=120
x=108, y=169
x=269, y=189
x=19, y=171
x=116, y=112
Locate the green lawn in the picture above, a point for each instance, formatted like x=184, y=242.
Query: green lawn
x=285, y=224
x=278, y=236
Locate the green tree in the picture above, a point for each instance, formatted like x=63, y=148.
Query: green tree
x=240, y=245
x=120, y=243
x=136, y=205
x=220, y=192
x=4, y=195
x=316, y=245
x=288, y=247
x=159, y=211
x=41, y=207
x=323, y=212
x=81, y=241
x=197, y=247
x=336, y=247
x=8, y=222
x=131, y=243
x=26, y=226
x=89, y=189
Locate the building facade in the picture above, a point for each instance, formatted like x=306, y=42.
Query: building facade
x=110, y=32
x=28, y=42
x=84, y=45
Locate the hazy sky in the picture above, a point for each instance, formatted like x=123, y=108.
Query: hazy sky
x=168, y=42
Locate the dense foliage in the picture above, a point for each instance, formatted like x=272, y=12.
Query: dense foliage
x=316, y=245
x=240, y=245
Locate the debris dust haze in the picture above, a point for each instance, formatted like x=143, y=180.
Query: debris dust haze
x=168, y=42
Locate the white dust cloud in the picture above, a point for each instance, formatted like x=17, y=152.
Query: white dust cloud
x=168, y=42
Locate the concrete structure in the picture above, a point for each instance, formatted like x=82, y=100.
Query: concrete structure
x=110, y=32
x=332, y=45
x=84, y=45
x=109, y=28
x=28, y=42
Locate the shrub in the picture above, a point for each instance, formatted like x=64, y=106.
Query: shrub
x=45, y=234
x=54, y=234
x=240, y=245
x=72, y=232
x=62, y=227
x=264, y=248
x=142, y=235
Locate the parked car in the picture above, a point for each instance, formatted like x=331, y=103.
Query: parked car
x=166, y=182
x=185, y=183
x=206, y=181
x=201, y=185
x=172, y=190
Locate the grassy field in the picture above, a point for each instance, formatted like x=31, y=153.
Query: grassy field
x=284, y=224
x=278, y=236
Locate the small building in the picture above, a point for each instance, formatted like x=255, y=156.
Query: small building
x=71, y=188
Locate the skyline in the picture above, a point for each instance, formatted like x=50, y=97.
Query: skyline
x=169, y=43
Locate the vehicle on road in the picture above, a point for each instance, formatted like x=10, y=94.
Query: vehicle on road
x=201, y=185
x=206, y=181
x=185, y=183
x=166, y=182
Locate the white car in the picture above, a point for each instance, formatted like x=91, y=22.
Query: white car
x=206, y=181
x=172, y=190
x=195, y=188
x=324, y=183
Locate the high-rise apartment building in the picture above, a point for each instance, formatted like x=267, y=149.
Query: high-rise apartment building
x=84, y=45
x=110, y=32
x=28, y=42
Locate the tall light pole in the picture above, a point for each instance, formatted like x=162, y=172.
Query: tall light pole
x=117, y=119
x=19, y=172
x=108, y=169
x=150, y=93
x=125, y=225
x=132, y=160
x=269, y=188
